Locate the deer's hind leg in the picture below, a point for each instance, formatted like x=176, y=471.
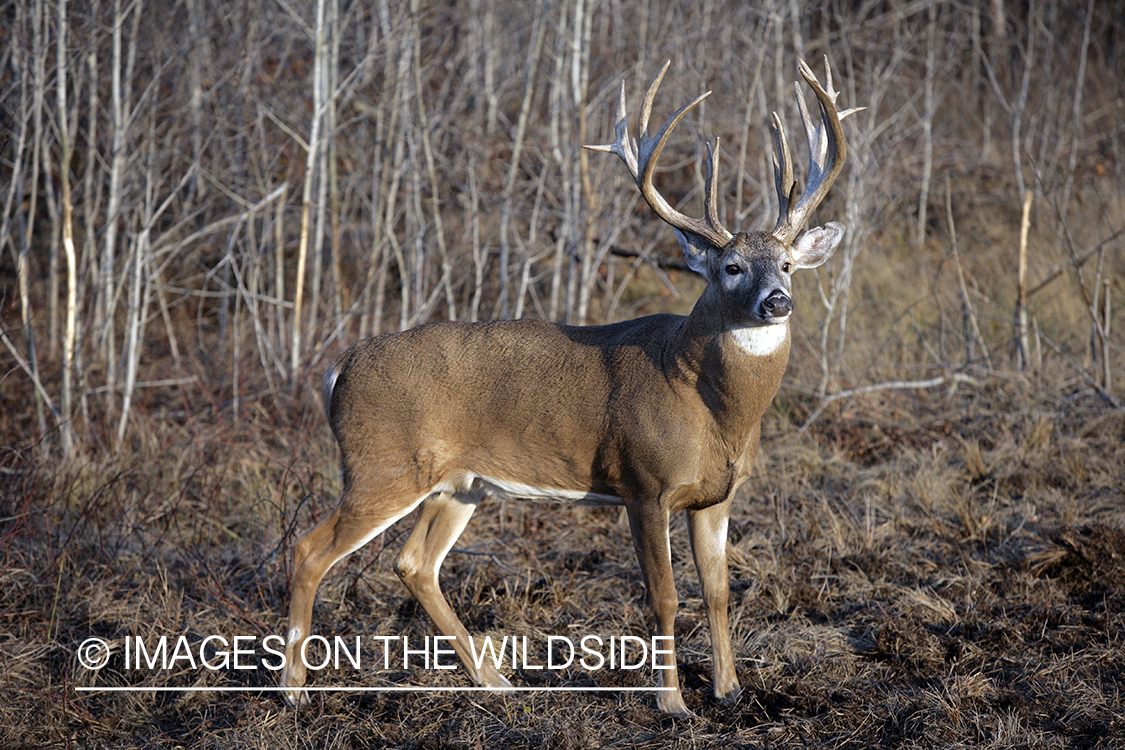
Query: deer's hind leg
x=444, y=516
x=364, y=512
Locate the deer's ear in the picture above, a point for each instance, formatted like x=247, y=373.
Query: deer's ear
x=816, y=245
x=695, y=250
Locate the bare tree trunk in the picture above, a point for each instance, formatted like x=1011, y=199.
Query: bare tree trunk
x=534, y=52
x=1076, y=110
x=138, y=287
x=105, y=326
x=927, y=123
x=1107, y=316
x=480, y=255
x=195, y=82
x=91, y=190
x=559, y=307
x=338, y=295
x=311, y=162
x=1019, y=106
x=431, y=171
x=579, y=85
x=68, y=443
x=38, y=133
x=325, y=74
x=1021, y=330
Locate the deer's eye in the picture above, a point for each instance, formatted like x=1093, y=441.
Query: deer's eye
x=733, y=270
x=786, y=266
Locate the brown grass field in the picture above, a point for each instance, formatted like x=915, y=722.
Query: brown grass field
x=931, y=553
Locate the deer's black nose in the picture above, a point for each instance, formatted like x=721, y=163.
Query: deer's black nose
x=777, y=305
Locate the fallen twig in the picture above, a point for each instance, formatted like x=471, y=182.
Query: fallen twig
x=892, y=385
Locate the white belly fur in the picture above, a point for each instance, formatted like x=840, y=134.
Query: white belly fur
x=503, y=488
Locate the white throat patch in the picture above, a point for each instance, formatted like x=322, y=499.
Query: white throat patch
x=760, y=341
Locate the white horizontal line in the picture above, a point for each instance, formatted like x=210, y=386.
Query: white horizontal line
x=409, y=689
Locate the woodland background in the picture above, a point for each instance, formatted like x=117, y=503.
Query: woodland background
x=204, y=202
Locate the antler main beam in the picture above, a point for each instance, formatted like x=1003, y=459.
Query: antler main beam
x=641, y=156
x=827, y=151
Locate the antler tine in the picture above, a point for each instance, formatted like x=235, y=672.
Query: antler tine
x=782, y=169
x=827, y=152
x=646, y=104
x=711, y=205
x=640, y=157
x=624, y=146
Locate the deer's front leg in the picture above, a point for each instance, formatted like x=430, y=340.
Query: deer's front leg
x=649, y=525
x=708, y=534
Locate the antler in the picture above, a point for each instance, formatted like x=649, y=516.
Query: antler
x=640, y=157
x=827, y=151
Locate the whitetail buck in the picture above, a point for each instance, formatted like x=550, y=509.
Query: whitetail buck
x=659, y=414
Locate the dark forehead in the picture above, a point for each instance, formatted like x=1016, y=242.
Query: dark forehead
x=755, y=245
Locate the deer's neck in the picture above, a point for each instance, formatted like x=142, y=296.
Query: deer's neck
x=735, y=370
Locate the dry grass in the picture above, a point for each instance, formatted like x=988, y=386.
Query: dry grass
x=945, y=570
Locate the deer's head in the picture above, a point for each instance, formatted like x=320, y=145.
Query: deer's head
x=749, y=274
